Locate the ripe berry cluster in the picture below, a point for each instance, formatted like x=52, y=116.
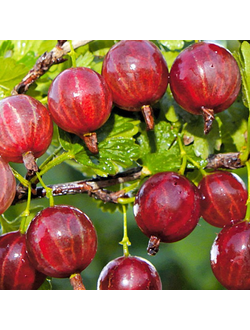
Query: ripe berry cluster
x=61, y=240
x=168, y=206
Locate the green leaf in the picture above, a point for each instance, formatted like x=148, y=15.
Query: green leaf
x=85, y=60
x=47, y=285
x=18, y=57
x=38, y=47
x=158, y=147
x=7, y=225
x=114, y=154
x=11, y=74
x=70, y=142
x=233, y=127
x=117, y=147
x=169, y=161
x=118, y=125
x=11, y=225
x=173, y=44
x=203, y=145
x=6, y=48
x=100, y=47
x=243, y=59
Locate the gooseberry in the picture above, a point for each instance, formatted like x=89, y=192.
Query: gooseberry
x=137, y=74
x=80, y=102
x=166, y=208
x=205, y=79
x=129, y=273
x=61, y=241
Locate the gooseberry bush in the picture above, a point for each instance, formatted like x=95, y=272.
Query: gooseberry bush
x=124, y=164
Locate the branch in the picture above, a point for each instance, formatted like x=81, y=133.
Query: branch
x=45, y=61
x=93, y=187
x=229, y=160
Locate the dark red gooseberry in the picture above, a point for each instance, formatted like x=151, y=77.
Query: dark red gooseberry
x=230, y=256
x=8, y=186
x=80, y=102
x=61, y=241
x=205, y=79
x=16, y=270
x=223, y=198
x=137, y=74
x=25, y=127
x=129, y=273
x=167, y=208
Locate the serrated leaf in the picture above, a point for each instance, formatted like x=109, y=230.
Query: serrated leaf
x=158, y=147
x=117, y=147
x=118, y=126
x=85, y=60
x=158, y=140
x=124, y=150
x=114, y=154
x=160, y=162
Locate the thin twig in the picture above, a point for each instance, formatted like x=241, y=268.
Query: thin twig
x=45, y=61
x=96, y=187
x=93, y=187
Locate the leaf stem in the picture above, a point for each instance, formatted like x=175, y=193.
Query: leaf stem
x=128, y=200
x=20, y=178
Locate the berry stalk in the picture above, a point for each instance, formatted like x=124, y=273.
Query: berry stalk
x=125, y=240
x=76, y=282
x=26, y=213
x=147, y=112
x=49, y=191
x=90, y=139
x=208, y=116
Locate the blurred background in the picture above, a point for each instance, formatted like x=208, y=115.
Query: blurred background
x=183, y=265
